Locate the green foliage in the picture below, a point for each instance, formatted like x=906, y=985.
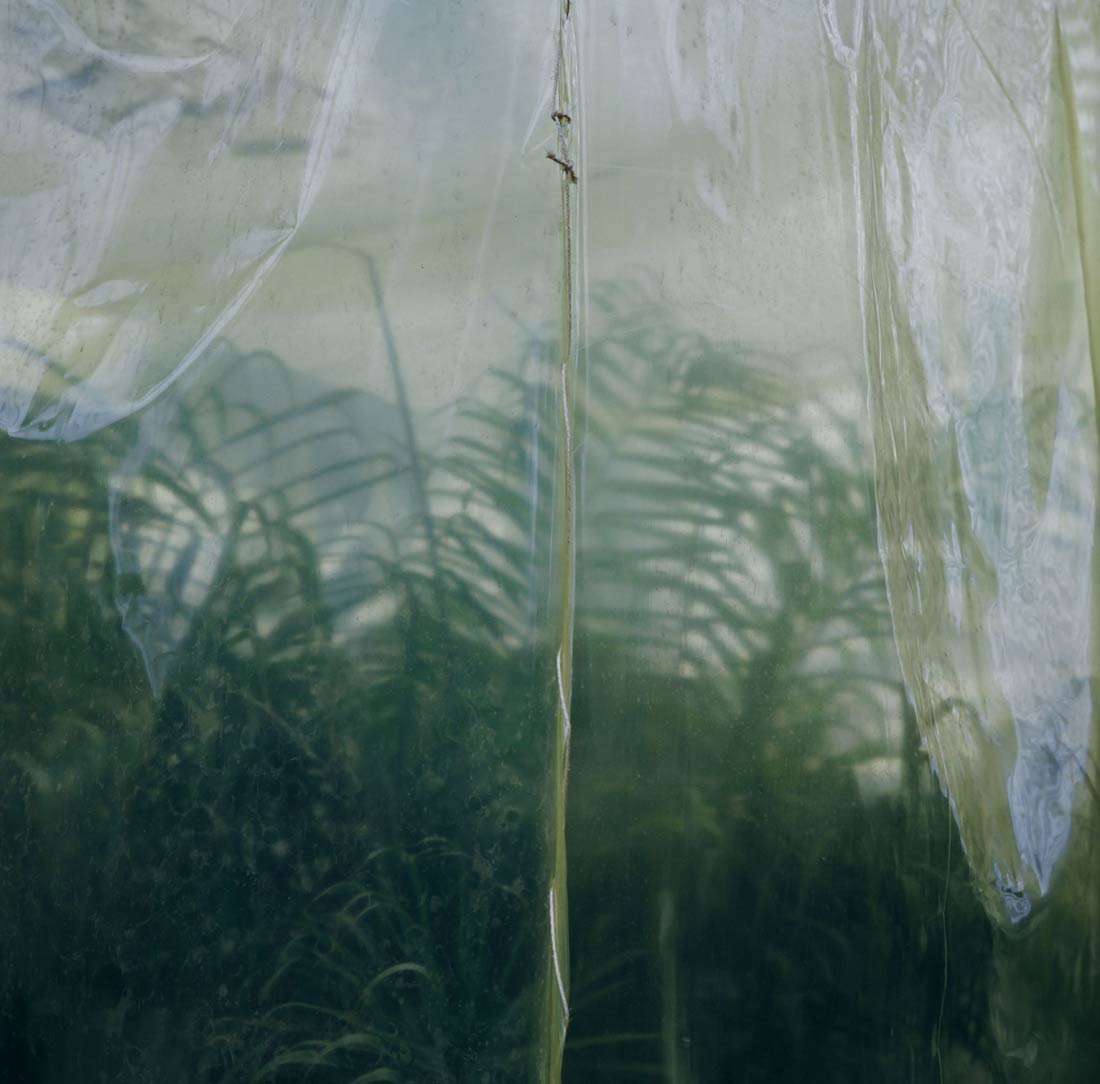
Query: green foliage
x=277, y=712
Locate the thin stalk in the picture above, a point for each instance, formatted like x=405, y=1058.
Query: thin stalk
x=557, y=984
x=416, y=463
x=1087, y=223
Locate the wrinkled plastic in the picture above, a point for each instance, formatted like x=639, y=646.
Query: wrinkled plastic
x=976, y=188
x=454, y=450
x=976, y=191
x=275, y=638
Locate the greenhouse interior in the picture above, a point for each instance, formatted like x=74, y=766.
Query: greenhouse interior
x=549, y=541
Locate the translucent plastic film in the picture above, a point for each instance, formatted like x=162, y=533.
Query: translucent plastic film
x=549, y=541
x=276, y=619
x=977, y=190
x=976, y=194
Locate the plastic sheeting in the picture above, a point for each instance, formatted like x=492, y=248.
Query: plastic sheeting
x=433, y=426
x=978, y=337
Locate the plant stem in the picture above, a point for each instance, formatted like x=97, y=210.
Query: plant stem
x=1087, y=223
x=557, y=984
x=416, y=463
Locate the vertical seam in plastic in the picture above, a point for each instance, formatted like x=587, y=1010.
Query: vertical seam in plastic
x=557, y=985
